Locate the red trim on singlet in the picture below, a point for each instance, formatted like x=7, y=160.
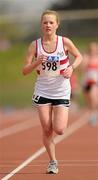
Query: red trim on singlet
x=62, y=71
x=38, y=72
x=54, y=49
x=36, y=49
x=64, y=61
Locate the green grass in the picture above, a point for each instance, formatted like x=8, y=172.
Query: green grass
x=15, y=89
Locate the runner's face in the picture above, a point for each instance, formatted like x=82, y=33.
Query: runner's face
x=49, y=24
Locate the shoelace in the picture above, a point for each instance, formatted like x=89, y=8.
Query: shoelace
x=52, y=163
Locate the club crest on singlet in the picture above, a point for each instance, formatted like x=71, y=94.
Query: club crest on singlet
x=51, y=67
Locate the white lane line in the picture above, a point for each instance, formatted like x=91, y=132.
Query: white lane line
x=18, y=127
x=25, y=163
x=71, y=129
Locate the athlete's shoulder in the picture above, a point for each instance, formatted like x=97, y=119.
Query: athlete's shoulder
x=67, y=40
x=32, y=47
x=32, y=44
x=68, y=43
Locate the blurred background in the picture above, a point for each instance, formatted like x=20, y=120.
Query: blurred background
x=20, y=24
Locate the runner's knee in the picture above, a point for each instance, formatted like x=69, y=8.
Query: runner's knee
x=59, y=131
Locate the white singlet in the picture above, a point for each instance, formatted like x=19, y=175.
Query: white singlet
x=50, y=81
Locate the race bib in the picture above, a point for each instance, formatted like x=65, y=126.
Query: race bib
x=51, y=67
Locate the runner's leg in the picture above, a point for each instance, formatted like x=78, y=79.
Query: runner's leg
x=60, y=119
x=45, y=115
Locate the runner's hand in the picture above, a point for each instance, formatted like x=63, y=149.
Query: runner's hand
x=42, y=58
x=68, y=72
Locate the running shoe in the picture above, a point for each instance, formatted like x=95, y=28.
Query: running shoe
x=52, y=167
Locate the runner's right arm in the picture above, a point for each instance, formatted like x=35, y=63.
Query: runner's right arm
x=30, y=64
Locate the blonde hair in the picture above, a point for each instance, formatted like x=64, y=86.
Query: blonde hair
x=50, y=12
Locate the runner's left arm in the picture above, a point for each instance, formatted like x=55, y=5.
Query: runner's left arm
x=68, y=44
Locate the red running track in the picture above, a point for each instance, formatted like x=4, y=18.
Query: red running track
x=20, y=139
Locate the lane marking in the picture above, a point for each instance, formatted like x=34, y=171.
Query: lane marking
x=18, y=128
x=71, y=129
x=25, y=163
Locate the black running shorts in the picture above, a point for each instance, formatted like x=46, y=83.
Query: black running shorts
x=39, y=100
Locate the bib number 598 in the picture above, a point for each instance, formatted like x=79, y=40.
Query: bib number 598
x=49, y=65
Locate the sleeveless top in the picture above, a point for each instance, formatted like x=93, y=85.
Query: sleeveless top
x=91, y=72
x=50, y=82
